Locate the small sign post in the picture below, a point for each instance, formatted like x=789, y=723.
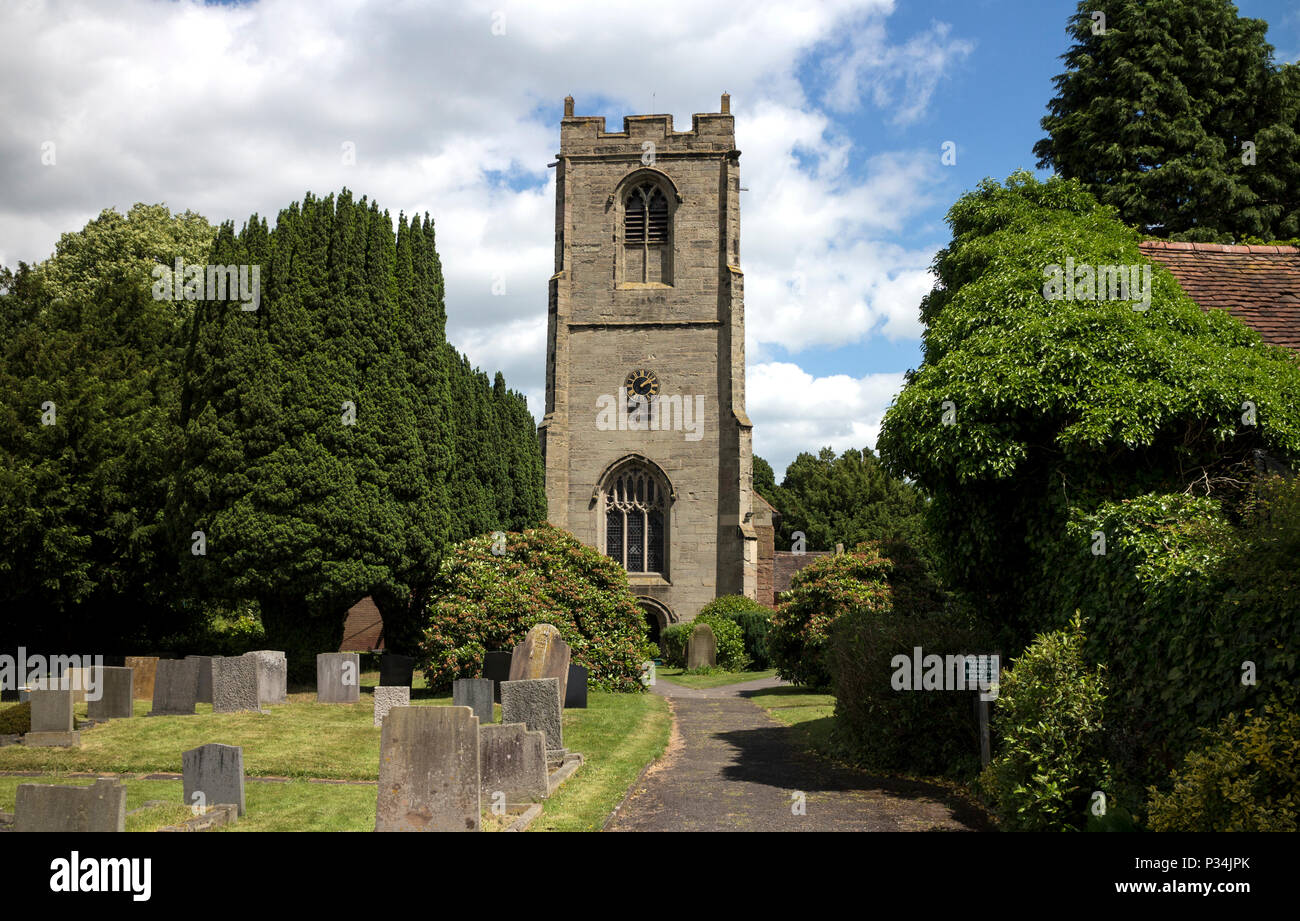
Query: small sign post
x=983, y=672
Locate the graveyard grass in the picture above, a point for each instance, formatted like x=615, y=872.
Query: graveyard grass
x=618, y=734
x=713, y=679
x=810, y=713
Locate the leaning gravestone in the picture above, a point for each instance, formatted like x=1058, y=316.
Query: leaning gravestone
x=575, y=695
x=429, y=770
x=702, y=649
x=272, y=675
x=205, y=678
x=145, y=669
x=387, y=699
x=51, y=720
x=475, y=693
x=215, y=773
x=396, y=671
x=175, y=688
x=496, y=667
x=542, y=654
x=46, y=807
x=338, y=678
x=535, y=703
x=114, y=688
x=234, y=685
x=512, y=761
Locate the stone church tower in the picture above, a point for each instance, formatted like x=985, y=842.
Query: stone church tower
x=645, y=437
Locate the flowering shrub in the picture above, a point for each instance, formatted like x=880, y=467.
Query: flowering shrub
x=483, y=601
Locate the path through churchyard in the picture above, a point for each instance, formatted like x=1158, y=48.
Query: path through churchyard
x=731, y=767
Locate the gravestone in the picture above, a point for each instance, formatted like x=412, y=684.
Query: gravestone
x=388, y=698
x=234, y=685
x=115, y=689
x=396, y=671
x=47, y=807
x=475, y=693
x=429, y=770
x=648, y=673
x=216, y=772
x=535, y=702
x=512, y=760
x=702, y=649
x=145, y=669
x=575, y=695
x=542, y=654
x=205, y=678
x=496, y=667
x=272, y=675
x=176, y=687
x=338, y=678
x=52, y=725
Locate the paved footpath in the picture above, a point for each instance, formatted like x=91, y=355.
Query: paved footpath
x=731, y=767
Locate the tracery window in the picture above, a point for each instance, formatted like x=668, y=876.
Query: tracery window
x=635, y=506
x=646, y=249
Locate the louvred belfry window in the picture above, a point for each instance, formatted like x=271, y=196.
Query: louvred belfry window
x=645, y=235
x=634, y=521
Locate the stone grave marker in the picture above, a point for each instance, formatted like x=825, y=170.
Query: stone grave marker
x=575, y=695
x=396, y=671
x=512, y=760
x=702, y=649
x=542, y=654
x=272, y=675
x=176, y=687
x=115, y=690
x=48, y=807
x=145, y=669
x=216, y=773
x=338, y=678
x=429, y=770
x=52, y=725
x=387, y=698
x=205, y=678
x=475, y=693
x=496, y=667
x=234, y=685
x=535, y=702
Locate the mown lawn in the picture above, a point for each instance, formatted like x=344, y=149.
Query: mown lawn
x=710, y=680
x=810, y=713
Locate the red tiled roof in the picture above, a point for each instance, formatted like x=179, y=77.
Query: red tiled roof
x=1260, y=285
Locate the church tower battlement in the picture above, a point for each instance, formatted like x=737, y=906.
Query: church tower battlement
x=646, y=441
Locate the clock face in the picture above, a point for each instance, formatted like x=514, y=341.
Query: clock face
x=642, y=383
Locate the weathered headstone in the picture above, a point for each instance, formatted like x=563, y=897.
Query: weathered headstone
x=338, y=678
x=542, y=654
x=234, y=685
x=429, y=770
x=216, y=773
x=702, y=648
x=387, y=698
x=115, y=689
x=272, y=675
x=496, y=667
x=145, y=669
x=575, y=695
x=51, y=720
x=205, y=678
x=176, y=687
x=475, y=693
x=535, y=702
x=512, y=760
x=46, y=807
x=395, y=670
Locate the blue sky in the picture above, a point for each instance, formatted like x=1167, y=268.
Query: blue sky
x=453, y=108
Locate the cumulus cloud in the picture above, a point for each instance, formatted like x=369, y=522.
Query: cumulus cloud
x=452, y=108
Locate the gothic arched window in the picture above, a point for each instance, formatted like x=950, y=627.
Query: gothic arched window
x=646, y=232
x=636, y=507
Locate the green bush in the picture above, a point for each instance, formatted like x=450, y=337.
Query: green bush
x=1048, y=759
x=730, y=641
x=1245, y=778
x=483, y=600
x=754, y=619
x=915, y=731
x=16, y=719
x=674, y=639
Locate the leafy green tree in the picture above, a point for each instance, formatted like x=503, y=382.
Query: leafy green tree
x=1025, y=407
x=1153, y=111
